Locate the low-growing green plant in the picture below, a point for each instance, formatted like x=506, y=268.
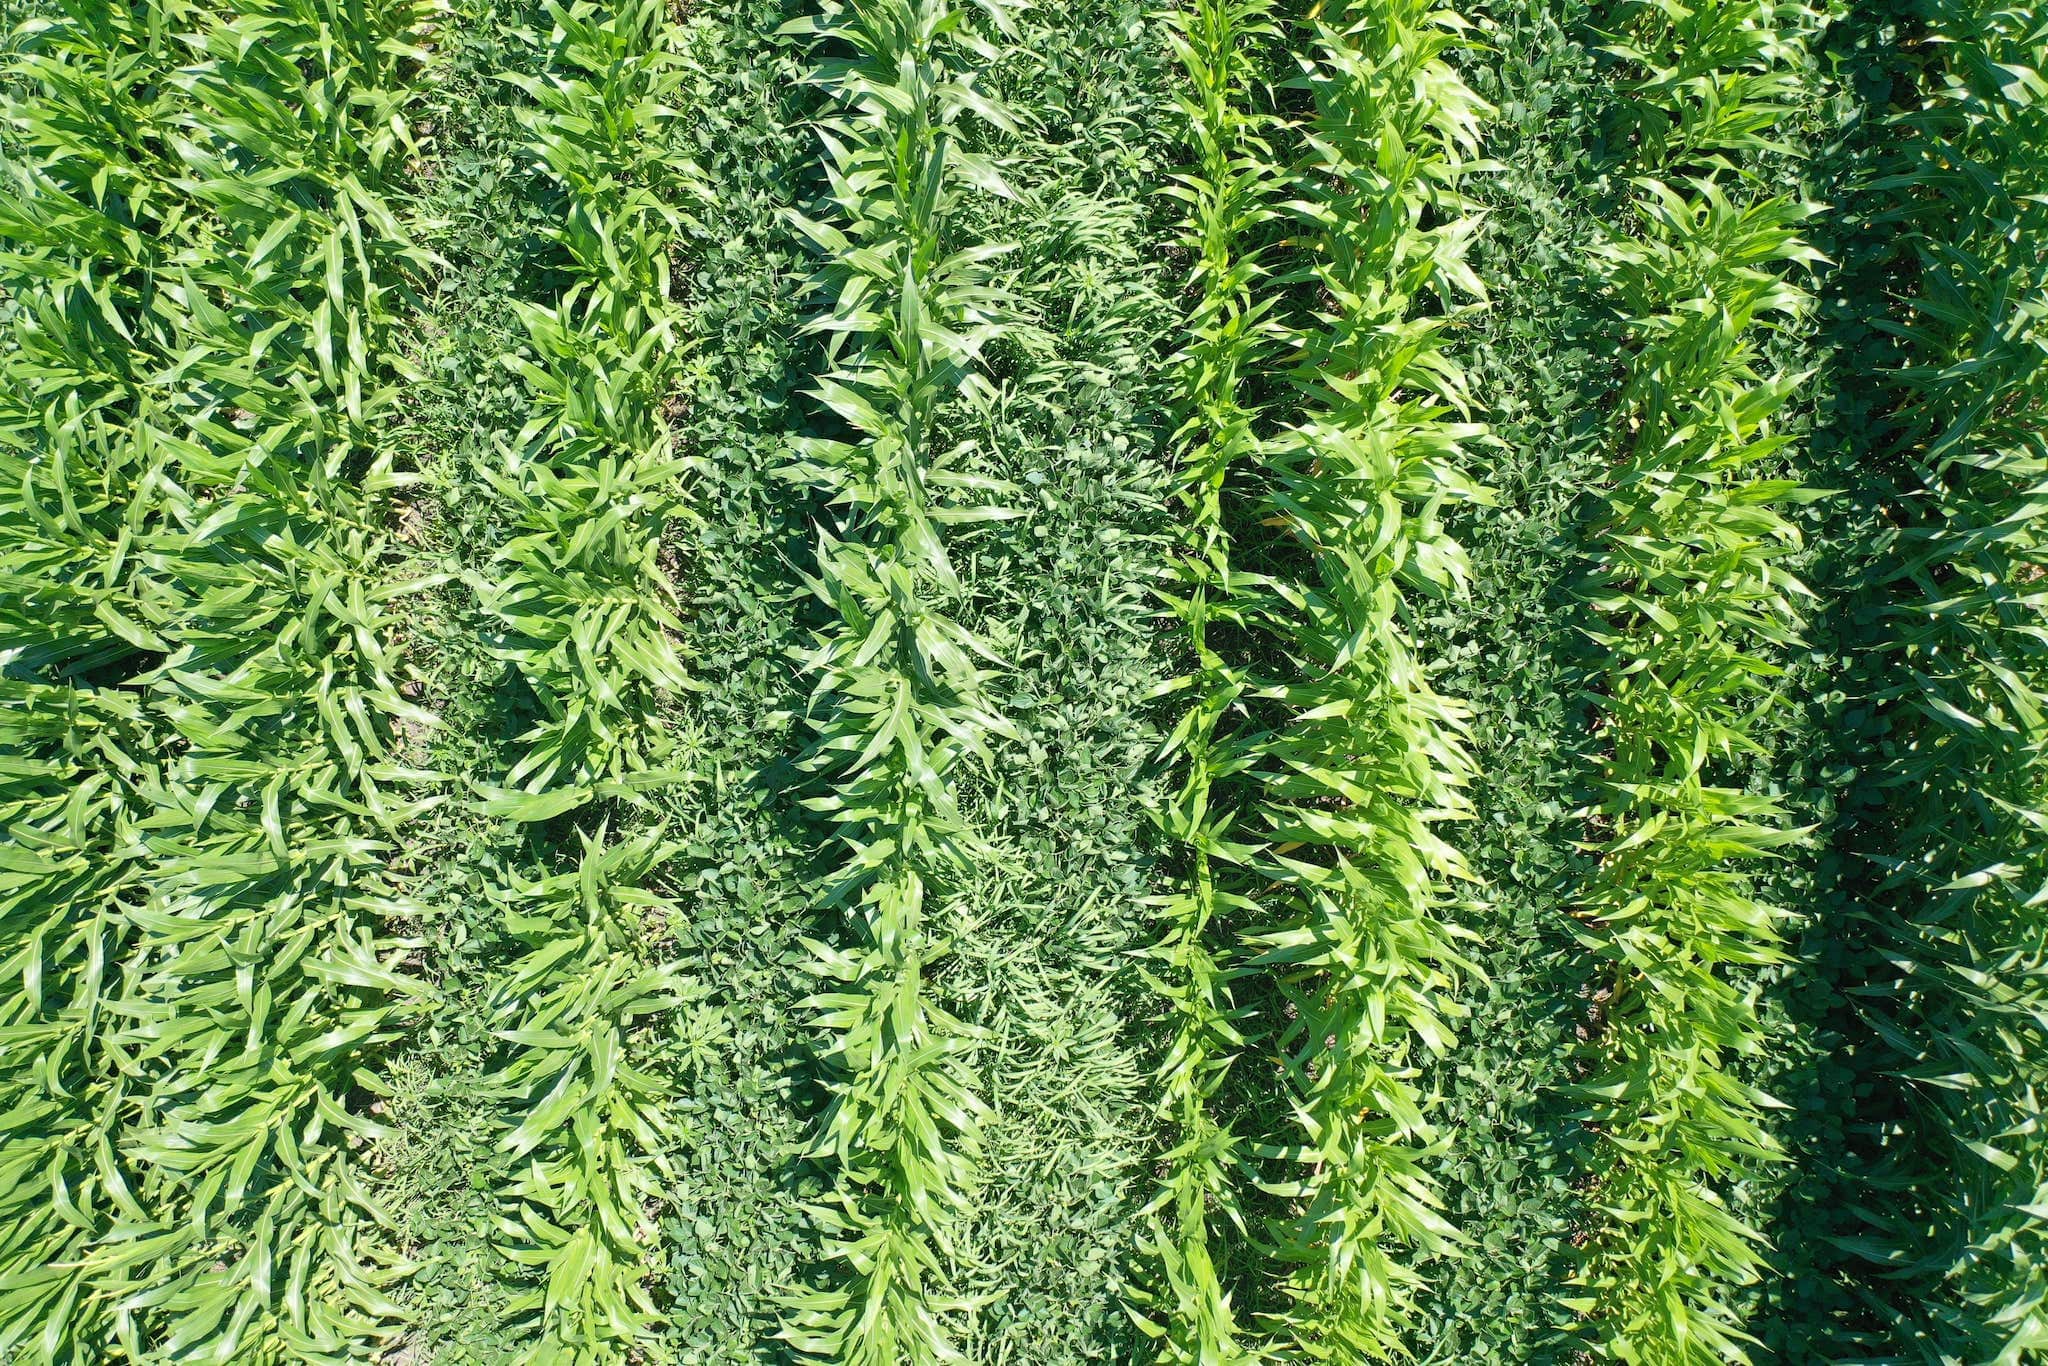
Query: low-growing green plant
x=209, y=738
x=900, y=688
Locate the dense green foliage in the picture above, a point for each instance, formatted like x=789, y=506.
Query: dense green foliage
x=901, y=690
x=936, y=680
x=1689, y=600
x=211, y=744
x=1228, y=190
x=590, y=485
x=1951, y=1208
x=1368, y=756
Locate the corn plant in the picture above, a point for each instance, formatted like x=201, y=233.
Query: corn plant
x=1688, y=599
x=900, y=685
x=1688, y=596
x=593, y=480
x=592, y=484
x=1712, y=81
x=1959, y=1216
x=1228, y=192
x=594, y=1131
x=1366, y=757
x=207, y=721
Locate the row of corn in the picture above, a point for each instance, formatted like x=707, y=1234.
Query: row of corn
x=1951, y=1211
x=586, y=613
x=1689, y=599
x=1317, y=918
x=899, y=686
x=209, y=729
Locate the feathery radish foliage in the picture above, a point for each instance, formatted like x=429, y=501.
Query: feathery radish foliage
x=592, y=483
x=900, y=695
x=207, y=724
x=1961, y=1005
x=1229, y=193
x=1367, y=757
x=1689, y=598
